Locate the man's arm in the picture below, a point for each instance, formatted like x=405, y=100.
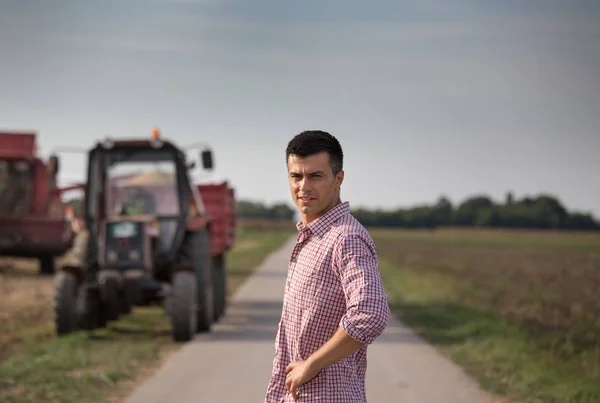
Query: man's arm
x=340, y=346
x=357, y=266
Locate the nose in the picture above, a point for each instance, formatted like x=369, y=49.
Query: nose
x=303, y=185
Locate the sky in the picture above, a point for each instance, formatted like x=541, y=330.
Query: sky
x=427, y=98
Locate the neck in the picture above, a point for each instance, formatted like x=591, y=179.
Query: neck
x=308, y=219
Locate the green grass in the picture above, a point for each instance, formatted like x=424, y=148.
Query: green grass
x=454, y=307
x=85, y=366
x=103, y=365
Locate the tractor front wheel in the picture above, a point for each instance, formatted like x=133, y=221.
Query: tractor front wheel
x=110, y=293
x=133, y=289
x=91, y=312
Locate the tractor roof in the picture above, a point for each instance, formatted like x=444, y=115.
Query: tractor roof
x=135, y=143
x=155, y=141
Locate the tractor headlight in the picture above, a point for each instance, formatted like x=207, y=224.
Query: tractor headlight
x=112, y=256
x=134, y=254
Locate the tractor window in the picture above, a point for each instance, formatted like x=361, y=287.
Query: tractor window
x=16, y=187
x=136, y=186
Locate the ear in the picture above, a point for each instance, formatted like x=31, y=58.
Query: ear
x=339, y=178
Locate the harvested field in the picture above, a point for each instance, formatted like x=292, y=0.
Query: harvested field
x=513, y=293
x=26, y=300
x=550, y=290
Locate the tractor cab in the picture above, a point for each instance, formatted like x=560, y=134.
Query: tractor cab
x=138, y=203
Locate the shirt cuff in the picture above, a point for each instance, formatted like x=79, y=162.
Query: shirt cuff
x=354, y=332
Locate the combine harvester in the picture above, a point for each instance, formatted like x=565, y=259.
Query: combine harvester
x=32, y=221
x=150, y=235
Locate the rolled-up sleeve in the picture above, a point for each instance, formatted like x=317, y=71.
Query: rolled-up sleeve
x=357, y=266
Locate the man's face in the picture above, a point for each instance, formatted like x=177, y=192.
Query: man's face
x=315, y=189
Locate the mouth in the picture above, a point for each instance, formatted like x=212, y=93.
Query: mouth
x=305, y=200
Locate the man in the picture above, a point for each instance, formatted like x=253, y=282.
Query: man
x=334, y=303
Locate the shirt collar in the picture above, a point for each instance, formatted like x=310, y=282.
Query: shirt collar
x=322, y=224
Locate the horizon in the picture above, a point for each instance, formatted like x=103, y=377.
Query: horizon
x=427, y=99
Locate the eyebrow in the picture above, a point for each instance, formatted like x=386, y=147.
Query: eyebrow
x=321, y=172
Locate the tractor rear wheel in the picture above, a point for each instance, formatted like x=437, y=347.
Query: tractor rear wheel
x=202, y=262
x=65, y=297
x=182, y=305
x=220, y=282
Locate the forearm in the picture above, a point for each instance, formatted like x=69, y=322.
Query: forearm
x=340, y=346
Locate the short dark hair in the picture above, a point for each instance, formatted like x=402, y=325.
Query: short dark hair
x=312, y=142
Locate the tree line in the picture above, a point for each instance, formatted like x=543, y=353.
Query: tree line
x=277, y=211
x=539, y=212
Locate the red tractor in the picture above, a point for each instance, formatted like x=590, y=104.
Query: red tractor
x=150, y=235
x=32, y=222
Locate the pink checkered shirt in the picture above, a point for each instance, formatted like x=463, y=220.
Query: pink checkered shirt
x=333, y=280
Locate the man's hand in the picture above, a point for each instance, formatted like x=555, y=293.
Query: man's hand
x=340, y=346
x=298, y=373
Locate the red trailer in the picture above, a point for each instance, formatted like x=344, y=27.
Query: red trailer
x=32, y=222
x=219, y=201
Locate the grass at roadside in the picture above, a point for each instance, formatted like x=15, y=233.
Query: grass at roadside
x=104, y=365
x=519, y=312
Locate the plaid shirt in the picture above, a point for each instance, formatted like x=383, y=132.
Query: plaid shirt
x=333, y=280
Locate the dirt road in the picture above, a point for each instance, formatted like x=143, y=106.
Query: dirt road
x=233, y=362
